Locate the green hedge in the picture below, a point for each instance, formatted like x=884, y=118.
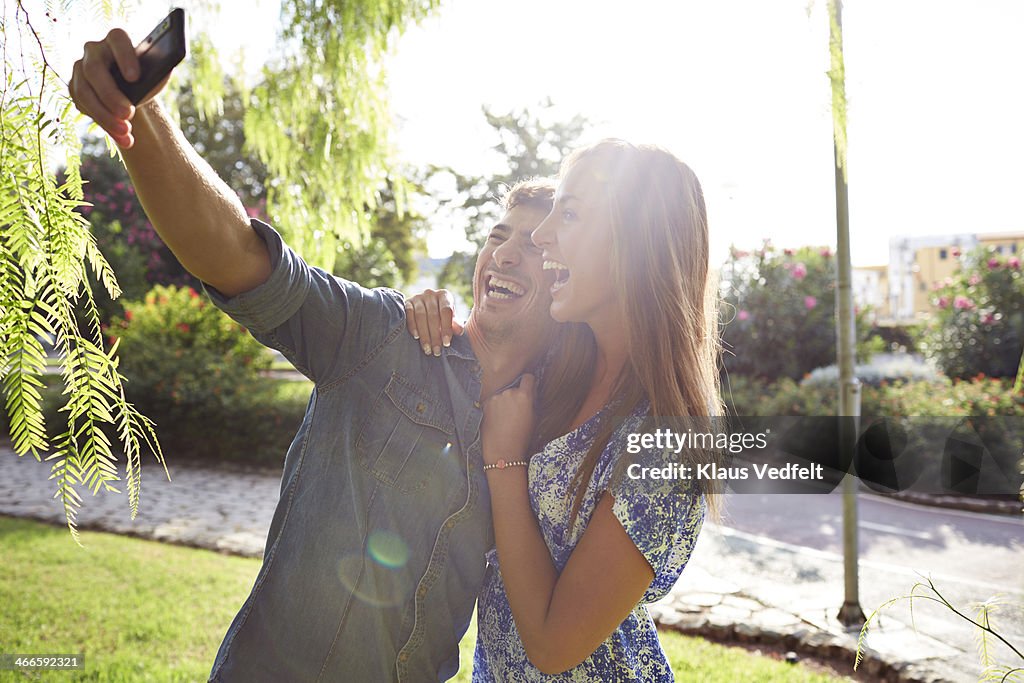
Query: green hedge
x=981, y=398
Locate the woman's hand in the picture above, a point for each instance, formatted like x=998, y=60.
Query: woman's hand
x=508, y=423
x=95, y=93
x=430, y=317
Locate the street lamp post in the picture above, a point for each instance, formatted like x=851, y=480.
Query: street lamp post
x=850, y=614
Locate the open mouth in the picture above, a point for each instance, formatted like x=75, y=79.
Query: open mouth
x=498, y=288
x=561, y=273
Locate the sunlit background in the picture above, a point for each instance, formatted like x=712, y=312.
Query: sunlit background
x=736, y=88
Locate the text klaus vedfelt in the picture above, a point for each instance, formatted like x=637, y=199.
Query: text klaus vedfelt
x=666, y=439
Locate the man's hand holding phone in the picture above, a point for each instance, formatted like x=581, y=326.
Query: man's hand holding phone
x=94, y=84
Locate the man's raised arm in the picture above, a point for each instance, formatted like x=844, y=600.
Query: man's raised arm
x=195, y=213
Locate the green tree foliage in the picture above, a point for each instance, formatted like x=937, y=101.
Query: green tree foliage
x=387, y=257
x=325, y=168
x=45, y=252
x=779, y=310
x=978, y=327
x=139, y=257
x=319, y=118
x=531, y=144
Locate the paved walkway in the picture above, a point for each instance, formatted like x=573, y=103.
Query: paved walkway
x=229, y=509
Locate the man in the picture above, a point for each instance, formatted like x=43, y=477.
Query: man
x=376, y=549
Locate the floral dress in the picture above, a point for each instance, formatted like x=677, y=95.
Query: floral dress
x=662, y=518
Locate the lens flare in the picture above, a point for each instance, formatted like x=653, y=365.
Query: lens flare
x=388, y=549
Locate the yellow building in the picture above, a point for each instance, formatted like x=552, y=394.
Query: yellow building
x=918, y=264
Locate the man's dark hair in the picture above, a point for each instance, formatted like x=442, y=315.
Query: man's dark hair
x=535, y=192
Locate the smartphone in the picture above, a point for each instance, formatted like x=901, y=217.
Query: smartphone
x=161, y=51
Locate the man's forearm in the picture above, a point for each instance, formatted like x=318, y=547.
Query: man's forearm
x=195, y=213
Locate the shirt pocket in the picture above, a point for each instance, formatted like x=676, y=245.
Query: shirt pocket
x=406, y=432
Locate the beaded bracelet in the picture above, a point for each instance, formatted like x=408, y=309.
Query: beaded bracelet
x=502, y=464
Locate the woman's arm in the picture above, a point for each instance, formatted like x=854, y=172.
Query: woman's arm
x=561, y=618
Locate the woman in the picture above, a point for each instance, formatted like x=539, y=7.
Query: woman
x=581, y=542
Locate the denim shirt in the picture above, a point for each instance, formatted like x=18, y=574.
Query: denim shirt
x=377, y=546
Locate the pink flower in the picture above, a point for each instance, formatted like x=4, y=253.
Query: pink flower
x=974, y=279
x=943, y=302
x=826, y=252
x=956, y=253
x=800, y=271
x=810, y=302
x=183, y=327
x=988, y=319
x=993, y=263
x=787, y=252
x=743, y=315
x=963, y=303
x=1014, y=263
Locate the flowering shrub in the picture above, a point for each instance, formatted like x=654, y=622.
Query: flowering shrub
x=979, y=323
x=189, y=367
x=177, y=349
x=779, y=312
x=198, y=376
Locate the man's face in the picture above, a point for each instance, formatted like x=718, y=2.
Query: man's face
x=511, y=296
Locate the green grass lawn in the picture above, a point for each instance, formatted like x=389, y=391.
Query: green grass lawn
x=146, y=611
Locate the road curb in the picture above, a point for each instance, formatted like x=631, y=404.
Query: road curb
x=802, y=637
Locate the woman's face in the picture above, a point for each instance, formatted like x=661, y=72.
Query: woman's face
x=577, y=241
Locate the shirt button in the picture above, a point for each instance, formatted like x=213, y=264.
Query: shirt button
x=421, y=591
x=403, y=657
x=476, y=404
x=449, y=524
x=420, y=407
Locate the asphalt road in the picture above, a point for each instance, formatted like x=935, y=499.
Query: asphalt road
x=787, y=550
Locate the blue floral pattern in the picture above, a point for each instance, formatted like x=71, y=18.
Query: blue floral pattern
x=662, y=517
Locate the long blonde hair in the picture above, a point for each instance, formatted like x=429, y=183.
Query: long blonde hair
x=659, y=262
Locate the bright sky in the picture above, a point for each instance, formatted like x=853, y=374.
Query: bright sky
x=738, y=90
